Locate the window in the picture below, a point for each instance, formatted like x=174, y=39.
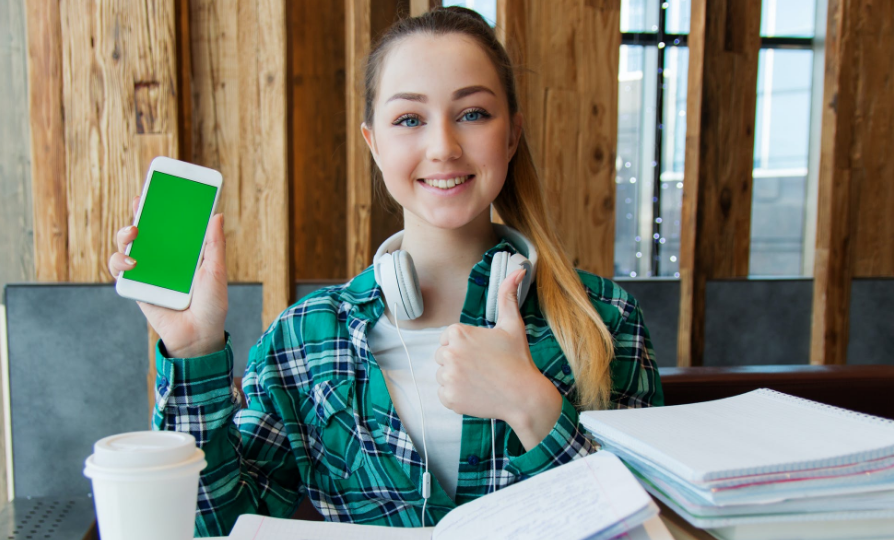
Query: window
x=487, y=8
x=652, y=88
x=652, y=79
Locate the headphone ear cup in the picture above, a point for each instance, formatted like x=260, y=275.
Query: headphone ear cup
x=408, y=285
x=498, y=269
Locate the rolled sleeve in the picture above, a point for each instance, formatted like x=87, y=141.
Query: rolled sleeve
x=565, y=442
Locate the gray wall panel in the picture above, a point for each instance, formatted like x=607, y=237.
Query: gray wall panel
x=660, y=301
x=871, y=334
x=758, y=322
x=77, y=372
x=243, y=321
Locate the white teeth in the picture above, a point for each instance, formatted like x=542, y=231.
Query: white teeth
x=446, y=184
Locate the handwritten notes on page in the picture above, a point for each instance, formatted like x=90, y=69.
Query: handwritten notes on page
x=594, y=497
x=581, y=499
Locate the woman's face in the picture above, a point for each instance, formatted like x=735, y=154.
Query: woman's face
x=442, y=117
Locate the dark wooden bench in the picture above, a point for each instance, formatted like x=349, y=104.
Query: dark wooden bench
x=867, y=389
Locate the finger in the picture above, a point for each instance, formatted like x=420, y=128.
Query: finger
x=507, y=300
x=439, y=356
x=125, y=236
x=119, y=262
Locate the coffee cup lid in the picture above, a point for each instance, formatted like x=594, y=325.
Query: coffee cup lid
x=143, y=449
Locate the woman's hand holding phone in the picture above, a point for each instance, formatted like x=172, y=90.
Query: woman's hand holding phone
x=199, y=329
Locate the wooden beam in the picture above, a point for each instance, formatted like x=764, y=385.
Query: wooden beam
x=724, y=42
x=271, y=151
x=854, y=222
x=318, y=151
x=239, y=127
x=359, y=184
x=120, y=107
x=568, y=94
x=48, y=171
x=418, y=7
x=871, y=164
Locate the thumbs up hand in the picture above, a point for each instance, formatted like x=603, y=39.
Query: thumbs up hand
x=489, y=372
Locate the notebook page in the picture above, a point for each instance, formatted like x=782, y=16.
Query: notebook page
x=755, y=433
x=252, y=527
x=576, y=500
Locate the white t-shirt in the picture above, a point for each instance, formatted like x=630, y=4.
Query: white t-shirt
x=443, y=427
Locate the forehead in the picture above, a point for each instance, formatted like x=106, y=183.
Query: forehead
x=436, y=66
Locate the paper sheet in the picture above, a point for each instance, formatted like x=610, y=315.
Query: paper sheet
x=576, y=500
x=251, y=527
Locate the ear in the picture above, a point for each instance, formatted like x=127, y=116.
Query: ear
x=515, y=134
x=370, y=139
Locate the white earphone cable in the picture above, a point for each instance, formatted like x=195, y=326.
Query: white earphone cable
x=426, y=477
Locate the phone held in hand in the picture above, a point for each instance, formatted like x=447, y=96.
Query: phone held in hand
x=175, y=208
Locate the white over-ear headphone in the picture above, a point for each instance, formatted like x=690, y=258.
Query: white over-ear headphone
x=396, y=274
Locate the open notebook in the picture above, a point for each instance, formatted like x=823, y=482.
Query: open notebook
x=594, y=497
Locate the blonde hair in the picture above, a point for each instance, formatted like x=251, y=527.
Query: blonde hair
x=575, y=323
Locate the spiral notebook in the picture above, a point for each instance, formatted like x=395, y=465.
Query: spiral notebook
x=759, y=438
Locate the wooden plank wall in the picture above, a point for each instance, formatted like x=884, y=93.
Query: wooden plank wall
x=120, y=107
x=317, y=139
x=724, y=41
x=48, y=174
x=855, y=224
x=568, y=92
x=239, y=127
x=369, y=222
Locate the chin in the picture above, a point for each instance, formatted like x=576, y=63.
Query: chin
x=449, y=222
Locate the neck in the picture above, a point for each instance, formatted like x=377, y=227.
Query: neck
x=444, y=254
x=444, y=259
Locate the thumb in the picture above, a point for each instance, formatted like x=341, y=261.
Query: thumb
x=215, y=244
x=508, y=315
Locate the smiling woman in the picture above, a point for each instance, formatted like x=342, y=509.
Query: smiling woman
x=505, y=341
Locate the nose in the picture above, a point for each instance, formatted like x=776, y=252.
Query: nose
x=443, y=143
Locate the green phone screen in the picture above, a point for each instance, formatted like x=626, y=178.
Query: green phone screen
x=170, y=232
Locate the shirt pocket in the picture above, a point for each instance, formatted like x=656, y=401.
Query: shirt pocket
x=334, y=442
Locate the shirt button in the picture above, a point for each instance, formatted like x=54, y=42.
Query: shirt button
x=566, y=369
x=163, y=381
x=479, y=280
x=473, y=460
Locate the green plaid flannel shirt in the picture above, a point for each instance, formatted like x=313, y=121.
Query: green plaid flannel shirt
x=320, y=423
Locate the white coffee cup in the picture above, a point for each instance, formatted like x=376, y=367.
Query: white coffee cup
x=145, y=485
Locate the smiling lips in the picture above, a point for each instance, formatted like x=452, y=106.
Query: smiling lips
x=448, y=183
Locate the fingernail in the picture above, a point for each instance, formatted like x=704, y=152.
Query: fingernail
x=129, y=229
x=128, y=260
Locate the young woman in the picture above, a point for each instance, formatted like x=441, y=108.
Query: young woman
x=334, y=411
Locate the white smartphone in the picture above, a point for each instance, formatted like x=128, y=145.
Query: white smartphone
x=172, y=219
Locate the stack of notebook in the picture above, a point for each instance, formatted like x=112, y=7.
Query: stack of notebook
x=762, y=465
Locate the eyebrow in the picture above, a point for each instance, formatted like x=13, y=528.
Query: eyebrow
x=459, y=94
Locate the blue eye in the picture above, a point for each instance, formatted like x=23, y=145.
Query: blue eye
x=471, y=116
x=408, y=121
